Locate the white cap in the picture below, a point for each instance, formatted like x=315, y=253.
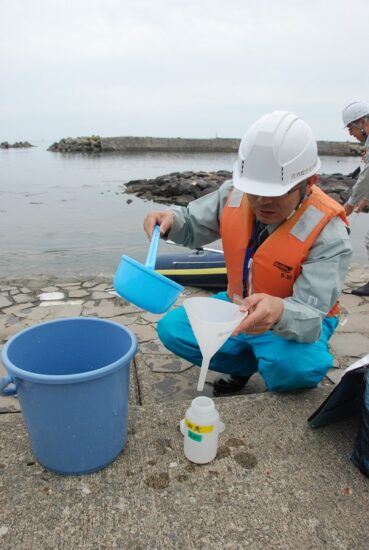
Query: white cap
x=354, y=111
x=277, y=152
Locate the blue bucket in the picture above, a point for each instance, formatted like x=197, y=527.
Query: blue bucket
x=72, y=378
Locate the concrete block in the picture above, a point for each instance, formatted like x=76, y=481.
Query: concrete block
x=275, y=483
x=353, y=345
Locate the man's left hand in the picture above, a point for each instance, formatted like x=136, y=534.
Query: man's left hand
x=362, y=204
x=263, y=312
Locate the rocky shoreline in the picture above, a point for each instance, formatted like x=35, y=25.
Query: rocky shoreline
x=182, y=187
x=16, y=145
x=130, y=144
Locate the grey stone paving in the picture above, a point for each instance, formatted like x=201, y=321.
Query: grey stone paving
x=160, y=375
x=274, y=484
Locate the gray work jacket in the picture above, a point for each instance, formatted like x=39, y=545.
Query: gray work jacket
x=361, y=188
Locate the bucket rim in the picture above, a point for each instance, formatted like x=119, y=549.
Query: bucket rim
x=16, y=372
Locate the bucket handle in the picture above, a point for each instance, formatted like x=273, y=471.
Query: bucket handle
x=5, y=381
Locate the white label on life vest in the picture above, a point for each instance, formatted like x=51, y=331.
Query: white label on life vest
x=235, y=198
x=305, y=225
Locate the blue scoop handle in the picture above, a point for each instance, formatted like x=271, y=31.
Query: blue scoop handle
x=153, y=250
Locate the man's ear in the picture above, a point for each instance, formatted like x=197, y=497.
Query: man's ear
x=312, y=180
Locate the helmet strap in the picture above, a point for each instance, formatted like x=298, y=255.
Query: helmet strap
x=303, y=195
x=362, y=129
x=303, y=190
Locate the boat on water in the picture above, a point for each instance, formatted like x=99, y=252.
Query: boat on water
x=204, y=268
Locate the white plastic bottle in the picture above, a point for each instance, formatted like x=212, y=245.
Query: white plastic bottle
x=201, y=428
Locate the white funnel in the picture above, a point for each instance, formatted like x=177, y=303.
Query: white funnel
x=212, y=322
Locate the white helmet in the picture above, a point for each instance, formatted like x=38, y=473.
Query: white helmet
x=354, y=111
x=277, y=152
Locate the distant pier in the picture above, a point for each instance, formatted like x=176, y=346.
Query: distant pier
x=131, y=144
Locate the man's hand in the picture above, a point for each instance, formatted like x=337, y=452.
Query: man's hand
x=362, y=204
x=263, y=312
x=349, y=208
x=163, y=218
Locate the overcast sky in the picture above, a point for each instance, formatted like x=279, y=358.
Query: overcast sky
x=178, y=68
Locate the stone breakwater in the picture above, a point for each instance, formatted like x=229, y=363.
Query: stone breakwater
x=16, y=145
x=130, y=144
x=90, y=144
x=182, y=187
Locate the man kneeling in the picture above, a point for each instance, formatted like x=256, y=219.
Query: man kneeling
x=287, y=252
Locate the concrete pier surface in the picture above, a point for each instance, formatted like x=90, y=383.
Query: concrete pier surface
x=275, y=483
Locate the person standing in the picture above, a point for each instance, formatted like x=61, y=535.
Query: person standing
x=355, y=117
x=287, y=252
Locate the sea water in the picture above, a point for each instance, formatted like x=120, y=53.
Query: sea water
x=67, y=214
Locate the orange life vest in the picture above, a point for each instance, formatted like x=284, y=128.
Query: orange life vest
x=276, y=263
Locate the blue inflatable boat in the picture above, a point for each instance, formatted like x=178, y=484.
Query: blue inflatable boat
x=203, y=268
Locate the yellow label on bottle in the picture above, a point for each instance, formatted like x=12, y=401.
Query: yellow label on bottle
x=197, y=428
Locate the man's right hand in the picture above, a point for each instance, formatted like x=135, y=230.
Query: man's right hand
x=349, y=208
x=164, y=219
x=362, y=204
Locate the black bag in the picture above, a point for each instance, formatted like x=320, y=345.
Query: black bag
x=350, y=397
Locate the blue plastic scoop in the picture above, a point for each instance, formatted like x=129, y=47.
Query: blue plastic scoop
x=142, y=285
